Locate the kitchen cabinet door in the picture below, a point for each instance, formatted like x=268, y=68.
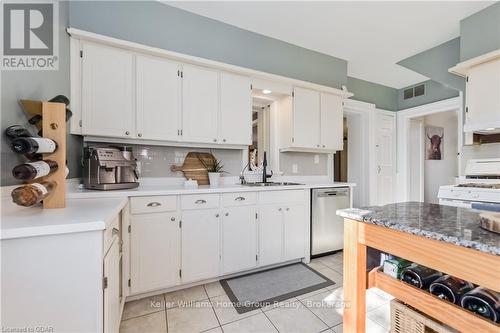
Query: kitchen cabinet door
x=294, y=232
x=158, y=94
x=200, y=104
x=270, y=220
x=111, y=288
x=306, y=118
x=200, y=244
x=107, y=92
x=332, y=122
x=239, y=239
x=235, y=110
x=155, y=251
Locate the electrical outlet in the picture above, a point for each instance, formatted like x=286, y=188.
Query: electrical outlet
x=295, y=168
x=316, y=159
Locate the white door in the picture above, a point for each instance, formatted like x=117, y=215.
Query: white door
x=270, y=235
x=332, y=122
x=158, y=89
x=200, y=104
x=107, y=92
x=385, y=156
x=239, y=239
x=200, y=244
x=294, y=232
x=111, y=293
x=306, y=118
x=235, y=109
x=155, y=251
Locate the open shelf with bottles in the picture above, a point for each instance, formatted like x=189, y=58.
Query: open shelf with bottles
x=446, y=312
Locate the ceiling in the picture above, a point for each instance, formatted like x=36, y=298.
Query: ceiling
x=371, y=35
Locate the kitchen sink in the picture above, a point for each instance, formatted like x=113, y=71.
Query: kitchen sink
x=271, y=184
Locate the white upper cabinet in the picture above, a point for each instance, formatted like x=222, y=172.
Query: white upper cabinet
x=235, y=109
x=158, y=91
x=306, y=118
x=332, y=120
x=107, y=91
x=200, y=104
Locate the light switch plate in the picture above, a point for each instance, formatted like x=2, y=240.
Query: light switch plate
x=316, y=159
x=295, y=168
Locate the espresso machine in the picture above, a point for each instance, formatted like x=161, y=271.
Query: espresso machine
x=109, y=169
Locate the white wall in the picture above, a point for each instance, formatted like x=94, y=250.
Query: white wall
x=442, y=172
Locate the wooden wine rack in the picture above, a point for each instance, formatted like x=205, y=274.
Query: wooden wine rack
x=54, y=128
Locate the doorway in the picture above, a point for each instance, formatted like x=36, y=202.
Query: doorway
x=340, y=158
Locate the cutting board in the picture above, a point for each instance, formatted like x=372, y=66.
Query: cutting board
x=193, y=167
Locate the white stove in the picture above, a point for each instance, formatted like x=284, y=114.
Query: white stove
x=479, y=187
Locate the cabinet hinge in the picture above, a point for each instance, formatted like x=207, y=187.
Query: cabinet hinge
x=129, y=283
x=293, y=139
x=293, y=93
x=181, y=132
x=178, y=73
x=182, y=74
x=251, y=87
x=180, y=223
x=129, y=228
x=80, y=123
x=104, y=282
x=180, y=272
x=256, y=215
x=466, y=79
x=256, y=257
x=466, y=109
x=81, y=53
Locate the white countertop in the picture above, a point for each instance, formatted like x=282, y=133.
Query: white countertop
x=78, y=216
x=88, y=210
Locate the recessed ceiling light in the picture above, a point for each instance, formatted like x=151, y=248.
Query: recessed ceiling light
x=266, y=91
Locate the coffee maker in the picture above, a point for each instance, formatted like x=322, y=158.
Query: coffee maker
x=109, y=169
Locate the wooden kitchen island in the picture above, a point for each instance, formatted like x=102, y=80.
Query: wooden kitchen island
x=447, y=239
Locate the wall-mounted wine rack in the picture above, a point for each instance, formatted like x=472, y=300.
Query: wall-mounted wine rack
x=54, y=128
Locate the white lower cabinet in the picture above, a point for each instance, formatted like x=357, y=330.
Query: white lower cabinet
x=270, y=235
x=155, y=251
x=111, y=288
x=239, y=239
x=294, y=232
x=200, y=244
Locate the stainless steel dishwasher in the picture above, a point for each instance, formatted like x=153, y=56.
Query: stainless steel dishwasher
x=327, y=229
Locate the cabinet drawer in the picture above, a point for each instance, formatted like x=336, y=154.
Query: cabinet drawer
x=200, y=201
x=154, y=204
x=288, y=196
x=239, y=199
x=112, y=229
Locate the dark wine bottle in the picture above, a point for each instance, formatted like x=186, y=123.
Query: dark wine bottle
x=484, y=302
x=33, y=170
x=32, y=194
x=33, y=145
x=450, y=288
x=17, y=131
x=419, y=276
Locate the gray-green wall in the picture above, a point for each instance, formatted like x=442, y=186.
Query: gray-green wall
x=382, y=96
x=480, y=33
x=38, y=85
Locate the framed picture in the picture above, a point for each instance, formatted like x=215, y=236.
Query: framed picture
x=434, y=137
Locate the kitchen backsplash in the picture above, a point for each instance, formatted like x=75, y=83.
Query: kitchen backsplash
x=305, y=164
x=155, y=161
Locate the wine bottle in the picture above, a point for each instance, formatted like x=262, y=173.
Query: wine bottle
x=32, y=194
x=419, y=276
x=450, y=288
x=17, y=131
x=484, y=302
x=33, y=170
x=32, y=145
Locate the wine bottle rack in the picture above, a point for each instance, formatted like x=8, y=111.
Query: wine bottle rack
x=54, y=128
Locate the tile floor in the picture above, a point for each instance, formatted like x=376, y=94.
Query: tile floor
x=208, y=309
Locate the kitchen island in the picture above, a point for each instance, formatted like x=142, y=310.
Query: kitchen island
x=447, y=239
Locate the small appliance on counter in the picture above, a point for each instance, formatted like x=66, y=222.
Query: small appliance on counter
x=109, y=169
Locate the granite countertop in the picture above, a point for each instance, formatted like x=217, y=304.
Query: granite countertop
x=459, y=226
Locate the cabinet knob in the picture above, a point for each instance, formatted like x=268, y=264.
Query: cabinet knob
x=154, y=204
x=324, y=146
x=127, y=133
x=227, y=214
x=172, y=219
x=279, y=209
x=317, y=146
x=115, y=231
x=223, y=140
x=215, y=140
x=287, y=209
x=139, y=135
x=216, y=215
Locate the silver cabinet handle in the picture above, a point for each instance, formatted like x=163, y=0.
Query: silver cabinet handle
x=239, y=199
x=215, y=140
x=227, y=214
x=379, y=169
x=200, y=201
x=172, y=219
x=223, y=140
x=127, y=133
x=324, y=146
x=216, y=215
x=114, y=231
x=139, y=135
x=154, y=204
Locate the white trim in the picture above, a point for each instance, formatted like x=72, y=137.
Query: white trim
x=462, y=69
x=403, y=118
x=136, y=141
x=257, y=75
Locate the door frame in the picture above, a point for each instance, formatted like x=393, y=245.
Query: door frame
x=402, y=131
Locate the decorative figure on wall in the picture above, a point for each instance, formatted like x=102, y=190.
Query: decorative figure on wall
x=433, y=142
